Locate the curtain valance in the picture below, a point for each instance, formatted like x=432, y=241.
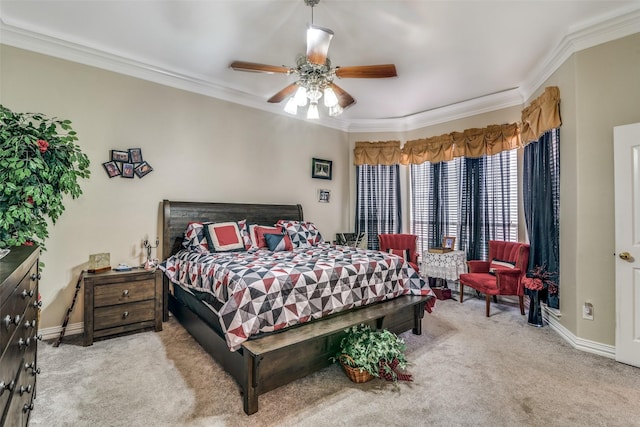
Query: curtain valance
x=469, y=143
x=434, y=149
x=376, y=153
x=541, y=115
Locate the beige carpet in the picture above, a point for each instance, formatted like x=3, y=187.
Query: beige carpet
x=469, y=370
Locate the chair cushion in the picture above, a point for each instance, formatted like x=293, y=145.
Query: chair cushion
x=481, y=282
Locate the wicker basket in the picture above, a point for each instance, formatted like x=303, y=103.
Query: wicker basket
x=354, y=374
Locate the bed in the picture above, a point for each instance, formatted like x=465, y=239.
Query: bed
x=273, y=356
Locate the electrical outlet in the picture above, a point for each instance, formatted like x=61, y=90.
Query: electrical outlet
x=587, y=311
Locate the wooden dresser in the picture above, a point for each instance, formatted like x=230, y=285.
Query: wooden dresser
x=120, y=302
x=19, y=307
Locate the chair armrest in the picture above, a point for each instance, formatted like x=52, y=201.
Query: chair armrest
x=508, y=280
x=476, y=266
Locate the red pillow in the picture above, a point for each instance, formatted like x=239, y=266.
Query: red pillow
x=260, y=231
x=224, y=236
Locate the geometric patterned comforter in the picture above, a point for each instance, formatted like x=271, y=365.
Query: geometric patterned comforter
x=264, y=291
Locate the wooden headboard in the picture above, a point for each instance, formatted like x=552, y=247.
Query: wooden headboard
x=176, y=216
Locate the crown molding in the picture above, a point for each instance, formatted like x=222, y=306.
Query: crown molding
x=614, y=26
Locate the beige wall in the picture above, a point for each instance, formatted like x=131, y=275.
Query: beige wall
x=600, y=89
x=200, y=148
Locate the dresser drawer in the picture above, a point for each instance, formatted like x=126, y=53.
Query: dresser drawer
x=121, y=293
x=13, y=309
x=123, y=314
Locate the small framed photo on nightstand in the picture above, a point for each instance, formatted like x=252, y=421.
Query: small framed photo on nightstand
x=448, y=242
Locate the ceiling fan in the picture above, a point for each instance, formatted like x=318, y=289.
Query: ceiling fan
x=316, y=75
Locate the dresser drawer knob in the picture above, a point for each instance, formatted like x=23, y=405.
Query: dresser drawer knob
x=8, y=321
x=32, y=366
x=25, y=294
x=4, y=386
x=35, y=276
x=27, y=407
x=24, y=389
x=37, y=304
x=125, y=314
x=125, y=293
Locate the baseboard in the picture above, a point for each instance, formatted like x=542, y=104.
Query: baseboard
x=54, y=332
x=551, y=316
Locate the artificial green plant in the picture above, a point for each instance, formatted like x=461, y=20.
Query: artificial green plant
x=39, y=164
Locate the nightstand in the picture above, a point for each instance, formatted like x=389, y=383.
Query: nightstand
x=117, y=302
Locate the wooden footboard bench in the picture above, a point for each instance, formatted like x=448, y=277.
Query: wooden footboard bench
x=271, y=361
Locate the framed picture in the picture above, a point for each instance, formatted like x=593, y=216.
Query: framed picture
x=142, y=169
x=120, y=156
x=449, y=242
x=112, y=168
x=324, y=195
x=135, y=155
x=127, y=170
x=321, y=169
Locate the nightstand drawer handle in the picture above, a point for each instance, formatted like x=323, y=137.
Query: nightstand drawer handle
x=27, y=407
x=125, y=314
x=25, y=294
x=35, y=276
x=125, y=293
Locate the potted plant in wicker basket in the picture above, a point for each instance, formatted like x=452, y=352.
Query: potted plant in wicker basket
x=366, y=353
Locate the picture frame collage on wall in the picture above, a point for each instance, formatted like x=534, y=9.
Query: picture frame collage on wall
x=127, y=164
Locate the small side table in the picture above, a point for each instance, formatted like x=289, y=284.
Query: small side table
x=118, y=302
x=447, y=266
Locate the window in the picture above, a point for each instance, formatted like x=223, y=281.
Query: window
x=473, y=199
x=377, y=201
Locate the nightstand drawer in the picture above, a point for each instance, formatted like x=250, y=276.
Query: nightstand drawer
x=119, y=302
x=123, y=314
x=121, y=293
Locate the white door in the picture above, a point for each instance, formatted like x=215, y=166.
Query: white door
x=627, y=206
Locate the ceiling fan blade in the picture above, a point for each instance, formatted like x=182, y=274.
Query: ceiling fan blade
x=318, y=40
x=367, y=71
x=344, y=99
x=258, y=68
x=284, y=93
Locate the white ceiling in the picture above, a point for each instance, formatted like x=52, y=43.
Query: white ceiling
x=454, y=58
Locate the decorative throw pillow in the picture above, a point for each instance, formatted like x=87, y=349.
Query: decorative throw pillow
x=258, y=232
x=224, y=236
x=244, y=232
x=402, y=253
x=497, y=264
x=303, y=234
x=278, y=242
x=195, y=238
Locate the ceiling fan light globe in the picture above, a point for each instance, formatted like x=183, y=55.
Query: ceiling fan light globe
x=312, y=113
x=330, y=98
x=335, y=110
x=301, y=97
x=291, y=107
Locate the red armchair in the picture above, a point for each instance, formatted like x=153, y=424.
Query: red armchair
x=506, y=280
x=398, y=244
